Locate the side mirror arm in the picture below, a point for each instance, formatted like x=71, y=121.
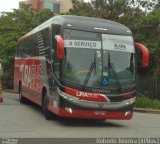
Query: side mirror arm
x=60, y=47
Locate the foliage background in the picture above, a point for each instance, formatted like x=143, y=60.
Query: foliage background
x=144, y=26
x=13, y=25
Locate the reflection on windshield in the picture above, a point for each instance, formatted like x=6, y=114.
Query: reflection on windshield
x=81, y=63
x=78, y=65
x=87, y=63
x=123, y=63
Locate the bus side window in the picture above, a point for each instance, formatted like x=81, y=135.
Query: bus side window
x=19, y=50
x=31, y=48
x=23, y=48
x=56, y=30
x=27, y=47
x=44, y=43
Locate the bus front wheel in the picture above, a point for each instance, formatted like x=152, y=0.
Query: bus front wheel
x=46, y=112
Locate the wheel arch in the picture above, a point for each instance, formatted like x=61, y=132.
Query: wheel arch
x=19, y=86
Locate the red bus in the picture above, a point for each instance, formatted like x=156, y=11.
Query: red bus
x=79, y=67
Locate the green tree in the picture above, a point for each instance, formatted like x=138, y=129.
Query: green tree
x=148, y=32
x=108, y=9
x=13, y=25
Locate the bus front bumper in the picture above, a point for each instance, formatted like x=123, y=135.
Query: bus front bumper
x=90, y=114
x=78, y=108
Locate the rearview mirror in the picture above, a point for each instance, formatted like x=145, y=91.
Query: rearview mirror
x=145, y=54
x=60, y=47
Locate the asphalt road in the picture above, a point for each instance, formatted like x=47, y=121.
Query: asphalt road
x=27, y=121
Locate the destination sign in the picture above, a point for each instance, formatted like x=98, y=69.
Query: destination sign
x=118, y=43
x=82, y=44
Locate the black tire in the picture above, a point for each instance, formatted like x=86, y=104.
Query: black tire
x=46, y=112
x=98, y=120
x=102, y=120
x=21, y=98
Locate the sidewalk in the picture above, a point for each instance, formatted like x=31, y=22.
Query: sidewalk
x=147, y=110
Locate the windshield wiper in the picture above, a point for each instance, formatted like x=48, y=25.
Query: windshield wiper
x=92, y=66
x=111, y=65
x=88, y=75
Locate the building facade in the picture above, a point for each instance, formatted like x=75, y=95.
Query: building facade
x=57, y=6
x=36, y=4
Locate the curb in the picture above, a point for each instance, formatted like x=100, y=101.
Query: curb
x=147, y=110
x=8, y=90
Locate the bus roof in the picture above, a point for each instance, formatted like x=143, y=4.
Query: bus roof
x=84, y=23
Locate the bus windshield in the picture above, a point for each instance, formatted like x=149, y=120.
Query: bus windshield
x=98, y=60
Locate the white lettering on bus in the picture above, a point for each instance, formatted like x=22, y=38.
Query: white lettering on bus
x=79, y=94
x=31, y=77
x=85, y=94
